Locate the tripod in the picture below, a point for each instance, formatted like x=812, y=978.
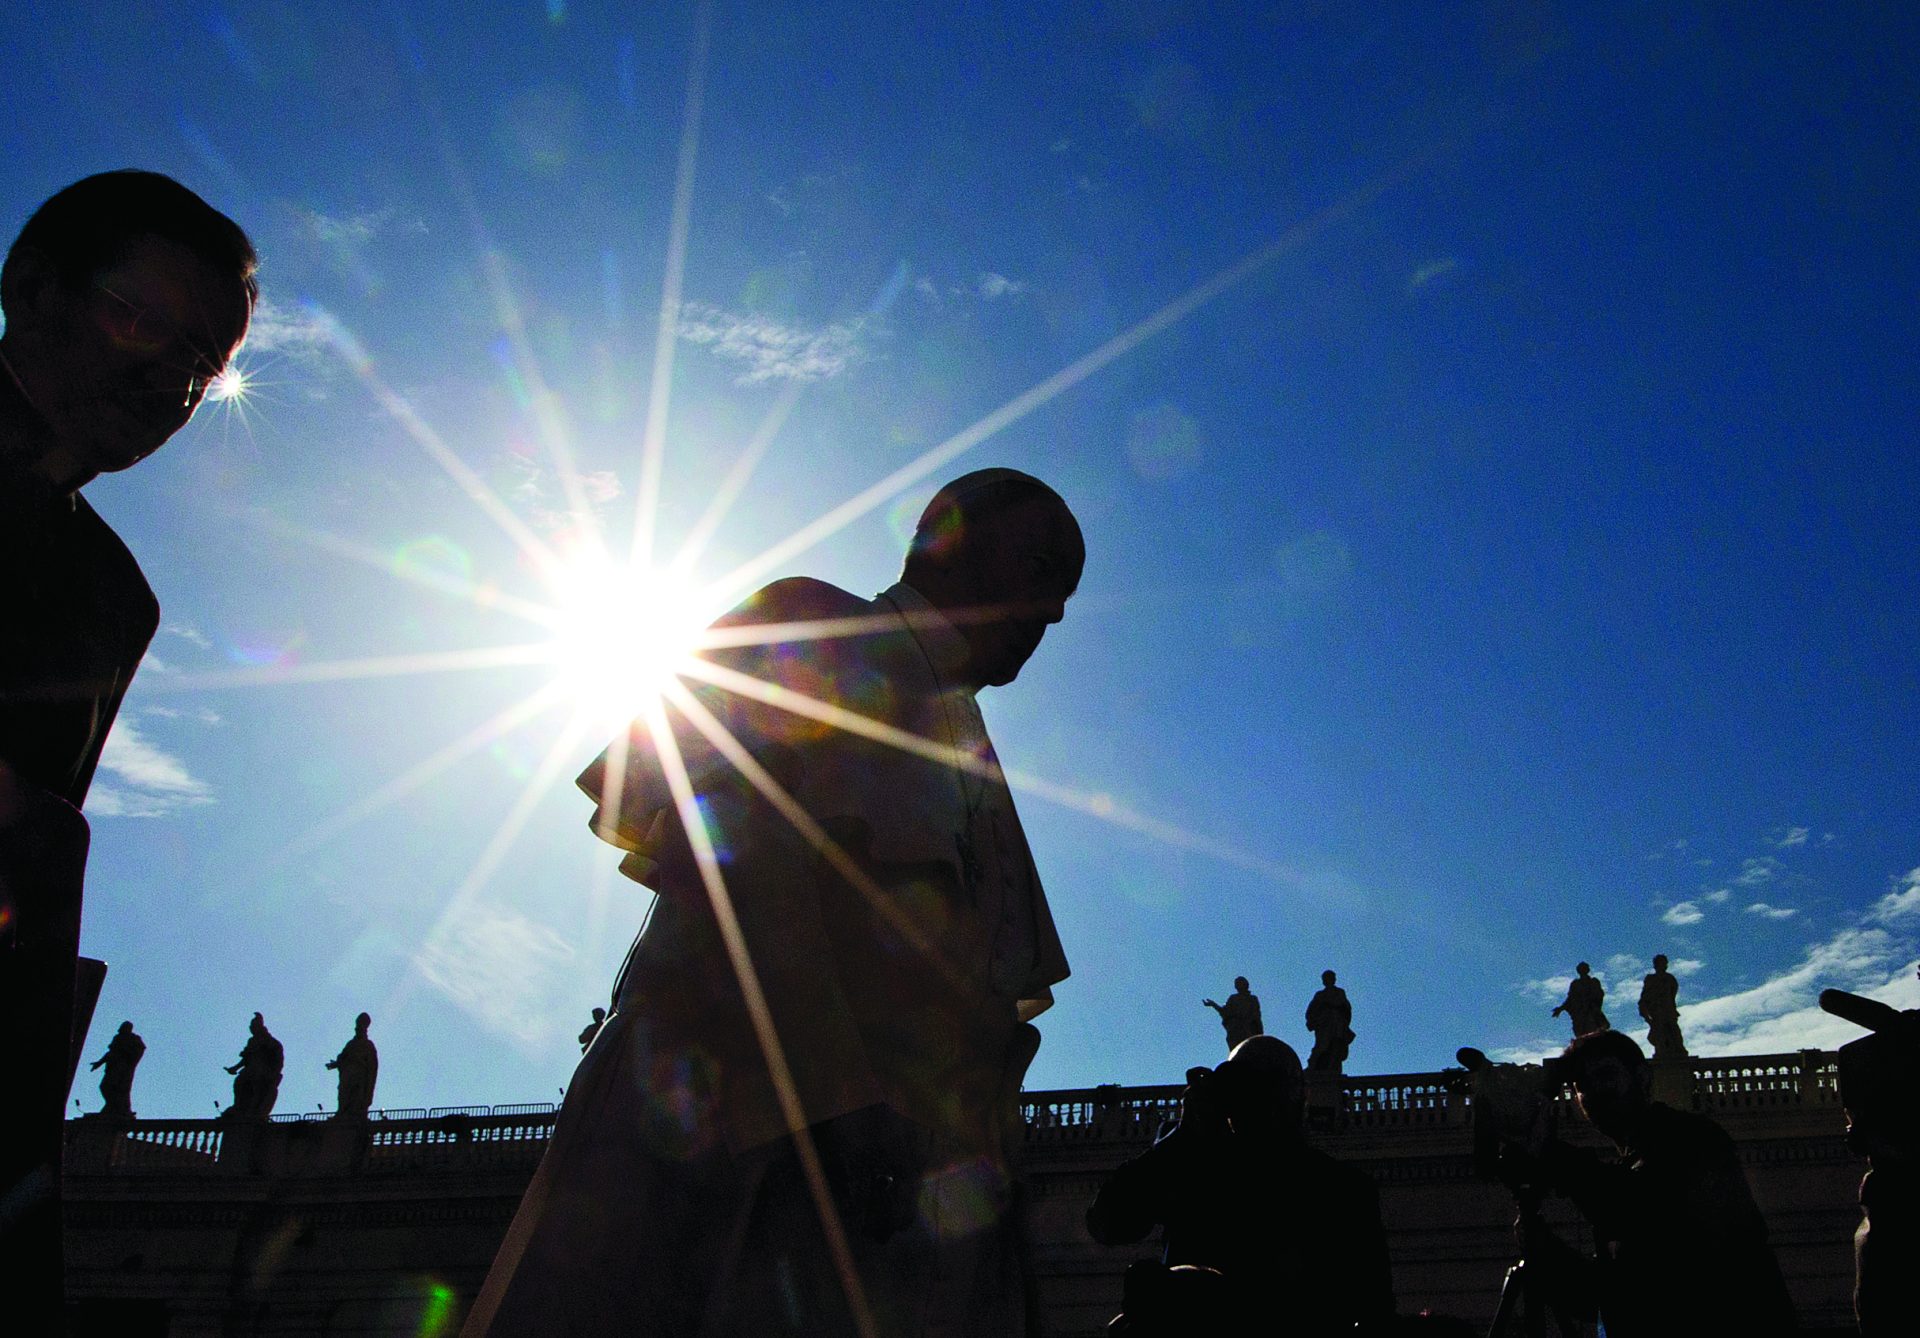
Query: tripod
x=1526, y=1295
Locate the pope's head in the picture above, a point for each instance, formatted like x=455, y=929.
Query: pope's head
x=1000, y=554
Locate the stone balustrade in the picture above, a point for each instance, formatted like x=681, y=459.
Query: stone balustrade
x=504, y=1135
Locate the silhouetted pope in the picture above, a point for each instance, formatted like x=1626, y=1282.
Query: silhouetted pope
x=896, y=929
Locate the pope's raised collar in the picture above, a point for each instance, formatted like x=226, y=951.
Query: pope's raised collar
x=945, y=648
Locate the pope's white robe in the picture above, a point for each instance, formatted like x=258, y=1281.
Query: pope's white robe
x=669, y=1201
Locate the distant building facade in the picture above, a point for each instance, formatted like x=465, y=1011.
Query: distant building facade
x=323, y=1228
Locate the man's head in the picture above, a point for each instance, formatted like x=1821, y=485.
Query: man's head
x=1263, y=1088
x=1582, y=970
x=1660, y=963
x=1327, y=978
x=125, y=1027
x=999, y=553
x=1240, y=985
x=1612, y=1079
x=599, y=1015
x=125, y=295
x=257, y=1025
x=361, y=1023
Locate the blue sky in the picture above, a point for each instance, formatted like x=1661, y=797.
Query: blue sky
x=1513, y=566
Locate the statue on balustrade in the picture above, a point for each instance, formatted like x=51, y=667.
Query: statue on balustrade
x=1681, y=1246
x=123, y=1056
x=358, y=1065
x=256, y=1078
x=592, y=1029
x=1582, y=1004
x=1660, y=1008
x=802, y=1113
x=1240, y=1014
x=1294, y=1235
x=1330, y=1019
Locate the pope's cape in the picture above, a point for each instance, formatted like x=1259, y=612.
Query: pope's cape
x=900, y=967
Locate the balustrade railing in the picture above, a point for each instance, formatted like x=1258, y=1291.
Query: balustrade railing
x=481, y=1136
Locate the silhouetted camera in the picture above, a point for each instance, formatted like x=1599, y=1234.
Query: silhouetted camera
x=1512, y=1104
x=1879, y=1074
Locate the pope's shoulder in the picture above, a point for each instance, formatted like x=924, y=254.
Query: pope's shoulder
x=797, y=599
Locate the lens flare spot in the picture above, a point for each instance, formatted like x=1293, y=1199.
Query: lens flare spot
x=436, y=558
x=230, y=386
x=436, y=1316
x=267, y=650
x=1162, y=443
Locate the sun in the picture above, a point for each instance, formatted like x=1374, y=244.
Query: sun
x=621, y=635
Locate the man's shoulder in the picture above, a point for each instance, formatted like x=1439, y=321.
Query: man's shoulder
x=1671, y=1126
x=114, y=561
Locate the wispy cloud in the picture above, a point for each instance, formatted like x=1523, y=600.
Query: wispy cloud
x=1754, y=872
x=772, y=350
x=188, y=632
x=1547, y=989
x=1684, y=913
x=1903, y=903
x=1685, y=966
x=301, y=331
x=1791, y=837
x=147, y=781
x=1625, y=964
x=1720, y=895
x=357, y=229
x=500, y=967
x=1782, y=1013
x=1773, y=912
x=1428, y=273
x=993, y=285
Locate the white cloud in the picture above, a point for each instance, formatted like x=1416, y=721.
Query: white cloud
x=1773, y=912
x=1782, y=1012
x=1685, y=966
x=188, y=632
x=1754, y=872
x=1793, y=836
x=769, y=349
x=147, y=781
x=1899, y=904
x=1624, y=964
x=1428, y=273
x=1684, y=913
x=993, y=285
x=1720, y=895
x=1547, y=989
x=301, y=330
x=500, y=967
x=354, y=230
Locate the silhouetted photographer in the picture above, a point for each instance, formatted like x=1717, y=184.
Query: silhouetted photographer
x=1682, y=1247
x=1880, y=1087
x=125, y=295
x=1263, y=1233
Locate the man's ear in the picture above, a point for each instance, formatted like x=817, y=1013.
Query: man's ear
x=31, y=282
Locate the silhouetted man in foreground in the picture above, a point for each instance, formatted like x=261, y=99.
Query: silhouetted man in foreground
x=1682, y=1248
x=1880, y=1086
x=1240, y=1014
x=256, y=1077
x=1660, y=1009
x=124, y=295
x=870, y=882
x=1295, y=1235
x=1582, y=1004
x=1330, y=1019
x=358, y=1065
x=123, y=1056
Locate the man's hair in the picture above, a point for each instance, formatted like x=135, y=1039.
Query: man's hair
x=1327, y=977
x=86, y=227
x=1582, y=968
x=944, y=529
x=1599, y=1045
x=1659, y=959
x=1240, y=983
